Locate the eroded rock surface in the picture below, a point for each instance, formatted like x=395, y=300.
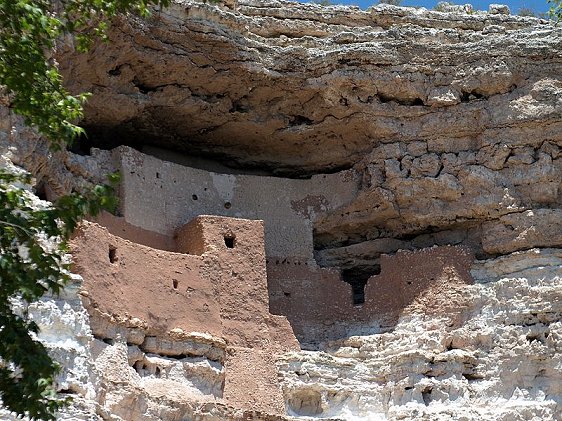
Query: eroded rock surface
x=501, y=364
x=450, y=123
x=407, y=168
x=302, y=89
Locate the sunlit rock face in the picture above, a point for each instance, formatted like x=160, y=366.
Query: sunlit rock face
x=300, y=88
x=500, y=362
x=407, y=168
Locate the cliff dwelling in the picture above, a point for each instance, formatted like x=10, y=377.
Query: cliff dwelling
x=324, y=213
x=252, y=286
x=161, y=200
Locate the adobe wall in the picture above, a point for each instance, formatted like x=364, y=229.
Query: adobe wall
x=218, y=291
x=120, y=227
x=161, y=196
x=320, y=307
x=233, y=300
x=148, y=284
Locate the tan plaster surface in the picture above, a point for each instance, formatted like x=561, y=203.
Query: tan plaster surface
x=319, y=306
x=140, y=283
x=221, y=291
x=162, y=196
x=120, y=227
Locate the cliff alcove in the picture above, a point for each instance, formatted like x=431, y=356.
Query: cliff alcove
x=324, y=212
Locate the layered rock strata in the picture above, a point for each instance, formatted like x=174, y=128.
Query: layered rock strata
x=269, y=84
x=449, y=123
x=407, y=168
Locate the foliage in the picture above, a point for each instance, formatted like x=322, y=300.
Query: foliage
x=555, y=9
x=30, y=80
x=32, y=262
x=29, y=30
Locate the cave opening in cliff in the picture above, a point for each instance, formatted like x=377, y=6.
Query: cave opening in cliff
x=201, y=151
x=190, y=152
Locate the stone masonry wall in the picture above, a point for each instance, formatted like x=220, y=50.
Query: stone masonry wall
x=212, y=304
x=320, y=305
x=160, y=196
x=384, y=150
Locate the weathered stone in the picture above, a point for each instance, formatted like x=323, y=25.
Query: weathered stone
x=271, y=79
x=424, y=367
x=499, y=9
x=400, y=129
x=520, y=231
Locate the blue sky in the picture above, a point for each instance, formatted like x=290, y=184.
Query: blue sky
x=514, y=5
x=536, y=5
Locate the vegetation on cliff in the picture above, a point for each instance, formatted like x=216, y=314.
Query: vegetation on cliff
x=33, y=261
x=33, y=239
x=556, y=9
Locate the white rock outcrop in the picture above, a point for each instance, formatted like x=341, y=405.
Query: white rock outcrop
x=443, y=129
x=503, y=363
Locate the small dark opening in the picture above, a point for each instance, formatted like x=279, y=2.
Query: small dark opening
x=157, y=175
x=357, y=277
x=139, y=366
x=227, y=205
x=143, y=89
x=115, y=72
x=112, y=254
x=229, y=242
x=299, y=120
x=472, y=376
x=175, y=283
x=41, y=191
x=384, y=98
x=426, y=395
x=194, y=197
x=287, y=294
x=108, y=341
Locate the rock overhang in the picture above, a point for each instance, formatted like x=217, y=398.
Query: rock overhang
x=483, y=173
x=225, y=82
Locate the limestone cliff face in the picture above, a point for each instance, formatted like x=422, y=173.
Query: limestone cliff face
x=407, y=166
x=302, y=89
x=451, y=122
